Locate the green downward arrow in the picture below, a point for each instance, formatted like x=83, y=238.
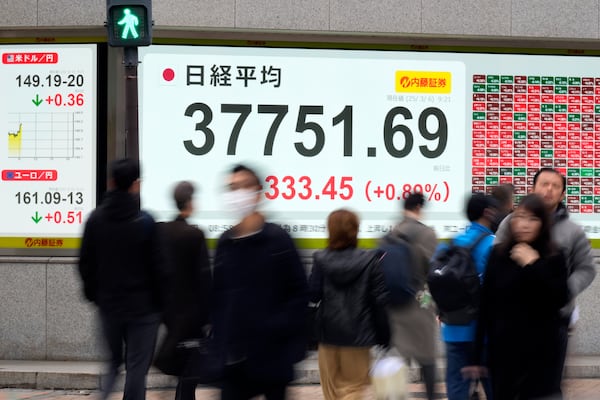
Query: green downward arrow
x=37, y=218
x=37, y=101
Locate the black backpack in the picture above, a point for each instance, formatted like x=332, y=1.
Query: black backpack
x=397, y=267
x=454, y=283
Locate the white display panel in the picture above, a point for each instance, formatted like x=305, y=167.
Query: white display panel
x=353, y=128
x=48, y=158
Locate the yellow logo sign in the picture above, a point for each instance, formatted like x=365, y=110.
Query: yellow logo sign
x=423, y=82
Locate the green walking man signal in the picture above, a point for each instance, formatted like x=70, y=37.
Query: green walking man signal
x=129, y=23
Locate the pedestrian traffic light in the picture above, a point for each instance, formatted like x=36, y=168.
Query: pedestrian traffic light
x=129, y=23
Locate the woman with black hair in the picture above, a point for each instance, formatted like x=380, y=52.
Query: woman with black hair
x=524, y=287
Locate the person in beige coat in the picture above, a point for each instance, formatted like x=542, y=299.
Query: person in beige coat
x=413, y=325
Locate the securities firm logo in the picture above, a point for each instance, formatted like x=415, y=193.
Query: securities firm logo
x=423, y=82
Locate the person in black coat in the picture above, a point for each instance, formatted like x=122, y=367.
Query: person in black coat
x=524, y=288
x=124, y=273
x=187, y=313
x=259, y=295
x=349, y=285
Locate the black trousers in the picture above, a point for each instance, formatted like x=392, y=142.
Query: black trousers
x=129, y=340
x=563, y=335
x=237, y=385
x=186, y=389
x=518, y=373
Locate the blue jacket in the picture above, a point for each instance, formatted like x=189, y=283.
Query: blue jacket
x=466, y=333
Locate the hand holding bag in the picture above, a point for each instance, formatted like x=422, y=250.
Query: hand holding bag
x=168, y=360
x=312, y=324
x=204, y=363
x=389, y=376
x=474, y=390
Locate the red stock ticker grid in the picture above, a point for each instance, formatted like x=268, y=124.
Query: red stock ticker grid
x=523, y=123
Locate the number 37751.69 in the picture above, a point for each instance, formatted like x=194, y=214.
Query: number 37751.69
x=306, y=123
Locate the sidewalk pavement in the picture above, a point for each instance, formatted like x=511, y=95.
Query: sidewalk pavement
x=80, y=380
x=573, y=389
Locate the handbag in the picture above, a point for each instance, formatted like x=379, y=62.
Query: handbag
x=379, y=313
x=168, y=360
x=389, y=376
x=312, y=324
x=203, y=362
x=382, y=325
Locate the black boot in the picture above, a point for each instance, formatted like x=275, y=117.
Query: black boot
x=428, y=372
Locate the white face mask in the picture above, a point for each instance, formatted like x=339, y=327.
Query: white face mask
x=240, y=202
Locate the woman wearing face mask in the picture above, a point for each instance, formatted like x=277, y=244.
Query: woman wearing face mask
x=524, y=287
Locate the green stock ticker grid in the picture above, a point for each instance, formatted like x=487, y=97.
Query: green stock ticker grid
x=523, y=123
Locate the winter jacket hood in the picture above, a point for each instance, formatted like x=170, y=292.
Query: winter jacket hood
x=561, y=213
x=352, y=296
x=121, y=263
x=119, y=205
x=343, y=267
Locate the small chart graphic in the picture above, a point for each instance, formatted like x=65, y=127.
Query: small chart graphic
x=14, y=142
x=45, y=135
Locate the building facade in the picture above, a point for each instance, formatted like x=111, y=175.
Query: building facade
x=44, y=316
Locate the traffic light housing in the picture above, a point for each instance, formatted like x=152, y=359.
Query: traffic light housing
x=129, y=23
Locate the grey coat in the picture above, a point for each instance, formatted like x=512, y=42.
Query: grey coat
x=576, y=248
x=413, y=329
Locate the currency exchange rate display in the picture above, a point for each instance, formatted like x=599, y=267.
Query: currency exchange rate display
x=48, y=154
x=361, y=129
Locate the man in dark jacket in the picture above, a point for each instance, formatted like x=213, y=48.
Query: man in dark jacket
x=260, y=297
x=187, y=311
x=122, y=271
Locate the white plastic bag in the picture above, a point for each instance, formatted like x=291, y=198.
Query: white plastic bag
x=574, y=317
x=389, y=376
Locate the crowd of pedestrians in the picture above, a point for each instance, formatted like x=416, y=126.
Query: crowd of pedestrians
x=250, y=305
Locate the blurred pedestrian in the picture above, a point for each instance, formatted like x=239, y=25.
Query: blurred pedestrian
x=124, y=274
x=260, y=297
x=504, y=195
x=413, y=325
x=459, y=340
x=349, y=287
x=524, y=288
x=550, y=184
x=187, y=313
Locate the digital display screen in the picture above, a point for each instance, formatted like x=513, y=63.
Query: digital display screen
x=363, y=128
x=48, y=156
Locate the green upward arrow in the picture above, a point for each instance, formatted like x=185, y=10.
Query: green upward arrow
x=37, y=101
x=37, y=218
